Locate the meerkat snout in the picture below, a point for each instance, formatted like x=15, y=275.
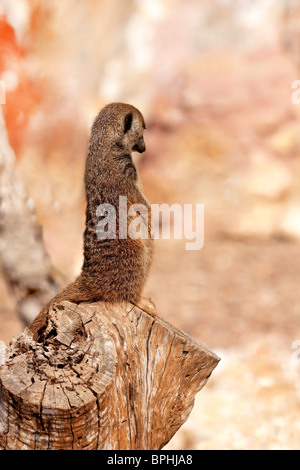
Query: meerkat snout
x=140, y=145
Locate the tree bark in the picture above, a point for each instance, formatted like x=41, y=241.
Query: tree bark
x=102, y=376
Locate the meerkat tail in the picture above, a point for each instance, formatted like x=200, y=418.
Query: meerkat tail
x=73, y=293
x=147, y=305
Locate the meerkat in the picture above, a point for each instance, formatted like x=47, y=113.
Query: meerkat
x=114, y=269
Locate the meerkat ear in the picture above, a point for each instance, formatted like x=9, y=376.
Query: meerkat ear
x=127, y=122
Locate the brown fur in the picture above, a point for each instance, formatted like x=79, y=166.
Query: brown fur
x=114, y=270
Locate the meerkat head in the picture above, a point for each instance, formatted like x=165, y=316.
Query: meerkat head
x=133, y=128
x=123, y=125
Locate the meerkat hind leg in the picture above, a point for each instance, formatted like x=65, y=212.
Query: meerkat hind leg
x=147, y=305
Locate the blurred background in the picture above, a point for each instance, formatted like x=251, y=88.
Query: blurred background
x=214, y=80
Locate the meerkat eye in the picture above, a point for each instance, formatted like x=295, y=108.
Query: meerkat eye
x=127, y=122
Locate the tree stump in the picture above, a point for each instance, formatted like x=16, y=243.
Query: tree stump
x=102, y=376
